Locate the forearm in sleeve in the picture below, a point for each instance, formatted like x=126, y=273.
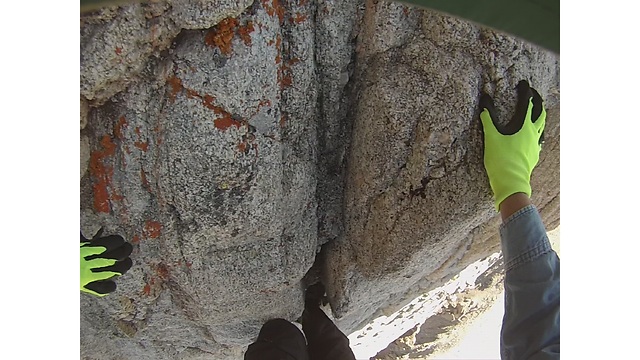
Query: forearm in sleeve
x=531, y=324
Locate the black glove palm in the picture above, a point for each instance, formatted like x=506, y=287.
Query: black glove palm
x=102, y=259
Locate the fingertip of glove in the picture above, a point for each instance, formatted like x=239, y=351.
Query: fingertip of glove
x=538, y=107
x=102, y=287
x=126, y=265
x=487, y=109
x=109, y=242
x=486, y=102
x=128, y=249
x=524, y=94
x=523, y=85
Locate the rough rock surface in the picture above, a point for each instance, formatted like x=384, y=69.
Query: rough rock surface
x=416, y=201
x=230, y=140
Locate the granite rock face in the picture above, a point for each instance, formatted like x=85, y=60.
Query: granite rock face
x=416, y=204
x=236, y=144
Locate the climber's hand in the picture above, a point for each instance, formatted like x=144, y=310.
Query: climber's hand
x=511, y=152
x=102, y=259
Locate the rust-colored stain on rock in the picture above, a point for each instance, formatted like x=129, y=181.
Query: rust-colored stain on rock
x=220, y=36
x=283, y=121
x=145, y=181
x=279, y=48
x=152, y=229
x=117, y=130
x=286, y=80
x=244, y=32
x=102, y=174
x=176, y=87
x=298, y=18
x=192, y=94
x=207, y=101
x=285, y=74
x=225, y=122
x=242, y=147
x=274, y=8
x=163, y=271
x=144, y=146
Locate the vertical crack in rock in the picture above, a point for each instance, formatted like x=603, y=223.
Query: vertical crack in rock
x=335, y=34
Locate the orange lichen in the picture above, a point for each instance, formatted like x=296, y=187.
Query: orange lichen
x=135, y=239
x=207, y=101
x=220, y=36
x=284, y=76
x=286, y=80
x=144, y=146
x=117, y=129
x=242, y=147
x=152, y=229
x=244, y=32
x=298, y=18
x=225, y=122
x=108, y=145
x=145, y=182
x=192, y=94
x=278, y=48
x=102, y=174
x=163, y=271
x=176, y=87
x=150, y=286
x=101, y=197
x=274, y=8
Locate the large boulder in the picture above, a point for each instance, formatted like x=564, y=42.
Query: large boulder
x=236, y=144
x=417, y=203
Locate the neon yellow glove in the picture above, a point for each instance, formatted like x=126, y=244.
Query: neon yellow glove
x=101, y=260
x=512, y=151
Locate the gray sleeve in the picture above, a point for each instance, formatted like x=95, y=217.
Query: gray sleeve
x=531, y=323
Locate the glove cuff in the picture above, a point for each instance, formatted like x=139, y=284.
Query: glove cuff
x=514, y=186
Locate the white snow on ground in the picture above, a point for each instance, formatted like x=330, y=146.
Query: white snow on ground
x=378, y=334
x=479, y=340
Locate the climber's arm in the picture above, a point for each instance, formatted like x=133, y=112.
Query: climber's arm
x=531, y=324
